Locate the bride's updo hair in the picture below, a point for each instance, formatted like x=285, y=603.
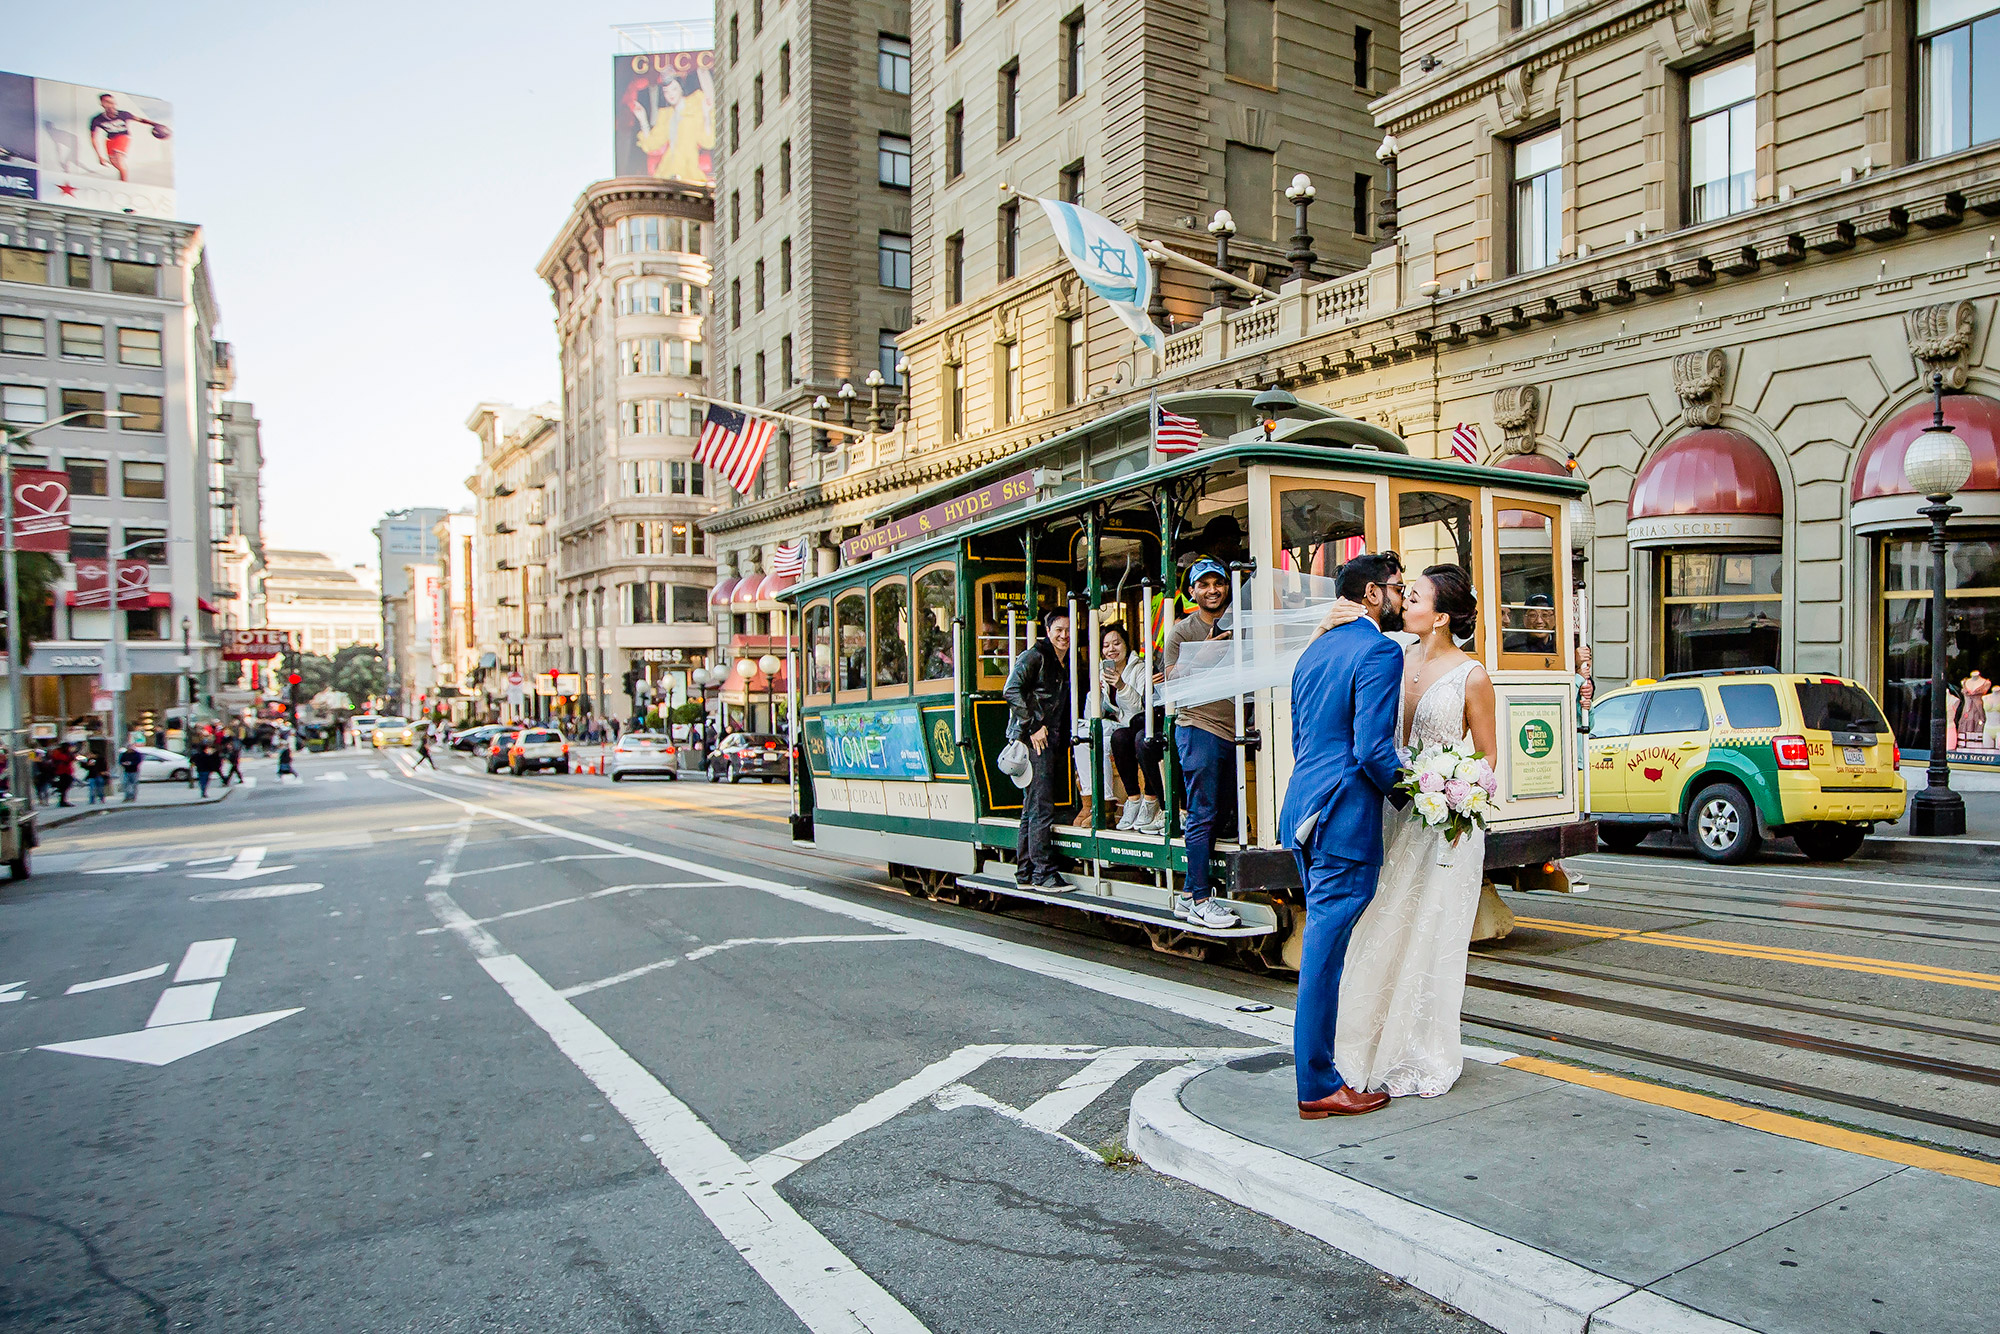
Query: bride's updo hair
x=1452, y=588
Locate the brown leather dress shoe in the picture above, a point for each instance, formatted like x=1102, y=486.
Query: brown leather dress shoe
x=1343, y=1101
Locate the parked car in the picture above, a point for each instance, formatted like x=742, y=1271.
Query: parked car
x=364, y=725
x=393, y=732
x=1731, y=756
x=645, y=753
x=475, y=739
x=750, y=755
x=538, y=748
x=498, y=749
x=160, y=766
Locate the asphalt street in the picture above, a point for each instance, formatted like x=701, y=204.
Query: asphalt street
x=373, y=1050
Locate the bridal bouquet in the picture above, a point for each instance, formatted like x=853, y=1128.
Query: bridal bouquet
x=1451, y=788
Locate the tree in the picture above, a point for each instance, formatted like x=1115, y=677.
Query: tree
x=357, y=671
x=39, y=575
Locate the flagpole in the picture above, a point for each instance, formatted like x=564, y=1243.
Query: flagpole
x=778, y=416
x=1161, y=255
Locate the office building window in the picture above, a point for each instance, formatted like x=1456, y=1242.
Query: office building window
x=784, y=71
x=1249, y=189
x=887, y=358
x=736, y=215
x=88, y=401
x=684, y=356
x=785, y=265
x=22, y=336
x=1010, y=238
x=1364, y=57
x=757, y=194
x=892, y=63
x=760, y=377
x=1722, y=140
x=1247, y=36
x=23, y=404
x=87, y=477
x=785, y=379
x=1072, y=56
x=1076, y=378
x=954, y=398
x=89, y=543
x=1010, y=382
x=644, y=416
x=757, y=284
x=756, y=17
x=1539, y=11
x=736, y=383
x=146, y=544
x=735, y=126
x=735, y=46
x=148, y=414
x=736, y=303
x=892, y=160
x=641, y=296
x=145, y=481
x=954, y=142
x=135, y=279
x=1538, y=186
x=1363, y=184
x=784, y=168
x=954, y=23
x=954, y=268
x=642, y=477
x=1072, y=183
x=138, y=347
x=1010, y=101
x=21, y=265
x=756, y=101
x=83, y=342
x=892, y=253
x=77, y=268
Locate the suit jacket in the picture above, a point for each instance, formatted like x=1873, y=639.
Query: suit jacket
x=1346, y=692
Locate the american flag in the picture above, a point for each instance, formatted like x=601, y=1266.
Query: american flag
x=1465, y=443
x=1174, y=434
x=789, y=561
x=733, y=443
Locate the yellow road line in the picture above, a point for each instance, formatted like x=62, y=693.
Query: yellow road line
x=727, y=811
x=1774, y=1123
x=1850, y=963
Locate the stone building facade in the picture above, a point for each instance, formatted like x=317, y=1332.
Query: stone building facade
x=629, y=274
x=513, y=625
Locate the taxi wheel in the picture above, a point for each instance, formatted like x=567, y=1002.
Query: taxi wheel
x=1723, y=824
x=1825, y=841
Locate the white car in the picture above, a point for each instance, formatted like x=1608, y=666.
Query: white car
x=364, y=724
x=161, y=766
x=645, y=753
x=538, y=748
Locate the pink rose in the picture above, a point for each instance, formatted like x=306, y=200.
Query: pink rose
x=1491, y=782
x=1456, y=792
x=1430, y=782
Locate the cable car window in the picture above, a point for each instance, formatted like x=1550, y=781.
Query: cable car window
x=892, y=633
x=1433, y=528
x=850, y=618
x=937, y=604
x=819, y=649
x=1320, y=530
x=1000, y=638
x=1528, y=615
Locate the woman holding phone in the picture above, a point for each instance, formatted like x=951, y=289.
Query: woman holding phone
x=1121, y=681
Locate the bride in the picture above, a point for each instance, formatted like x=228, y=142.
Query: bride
x=1404, y=979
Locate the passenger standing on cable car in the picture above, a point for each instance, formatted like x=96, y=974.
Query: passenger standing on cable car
x=1039, y=715
x=1205, y=742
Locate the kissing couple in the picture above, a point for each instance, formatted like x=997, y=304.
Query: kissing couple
x=1388, y=919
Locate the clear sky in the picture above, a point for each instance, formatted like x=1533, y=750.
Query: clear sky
x=376, y=182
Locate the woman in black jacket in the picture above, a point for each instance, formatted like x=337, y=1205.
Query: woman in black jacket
x=1038, y=693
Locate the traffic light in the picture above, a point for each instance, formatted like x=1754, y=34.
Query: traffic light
x=294, y=679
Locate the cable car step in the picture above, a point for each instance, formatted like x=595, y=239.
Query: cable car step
x=1131, y=903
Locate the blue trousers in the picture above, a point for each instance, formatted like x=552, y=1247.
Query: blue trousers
x=1208, y=775
x=1337, y=890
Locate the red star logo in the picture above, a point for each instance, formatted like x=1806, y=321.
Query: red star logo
x=67, y=189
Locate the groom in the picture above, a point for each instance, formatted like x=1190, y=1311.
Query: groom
x=1346, y=692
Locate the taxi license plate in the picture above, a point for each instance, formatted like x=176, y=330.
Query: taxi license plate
x=1854, y=754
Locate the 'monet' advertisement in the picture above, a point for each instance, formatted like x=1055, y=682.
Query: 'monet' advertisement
x=92, y=147
x=664, y=116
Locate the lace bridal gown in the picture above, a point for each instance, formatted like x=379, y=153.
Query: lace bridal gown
x=1404, y=978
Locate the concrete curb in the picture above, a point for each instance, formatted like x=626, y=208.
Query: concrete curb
x=46, y=820
x=1905, y=849
x=1512, y=1287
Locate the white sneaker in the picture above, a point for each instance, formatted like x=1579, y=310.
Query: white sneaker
x=1183, y=905
x=1130, y=815
x=1213, y=914
x=1150, y=819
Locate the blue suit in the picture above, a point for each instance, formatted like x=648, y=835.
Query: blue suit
x=1346, y=692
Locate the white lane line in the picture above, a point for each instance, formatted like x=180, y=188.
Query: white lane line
x=583, y=857
x=185, y=1005
x=825, y=1289
x=585, y=988
x=579, y=898
x=488, y=870
x=1057, y=1108
x=206, y=959
x=118, y=981
x=964, y=1095
x=335, y=777
x=1718, y=879
x=425, y=828
x=250, y=780
x=884, y=1107
x=12, y=991
x=1181, y=998
x=706, y=950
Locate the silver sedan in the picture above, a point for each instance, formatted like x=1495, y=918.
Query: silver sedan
x=645, y=753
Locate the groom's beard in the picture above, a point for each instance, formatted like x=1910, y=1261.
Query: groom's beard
x=1391, y=618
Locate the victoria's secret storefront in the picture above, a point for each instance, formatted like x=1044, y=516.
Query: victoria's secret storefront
x=1885, y=510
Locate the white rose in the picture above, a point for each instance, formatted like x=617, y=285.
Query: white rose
x=1467, y=769
x=1476, y=801
x=1432, y=807
x=1439, y=763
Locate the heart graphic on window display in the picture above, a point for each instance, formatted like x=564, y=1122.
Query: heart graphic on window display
x=1653, y=775
x=134, y=584
x=41, y=500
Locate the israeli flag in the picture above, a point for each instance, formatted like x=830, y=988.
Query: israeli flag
x=1111, y=264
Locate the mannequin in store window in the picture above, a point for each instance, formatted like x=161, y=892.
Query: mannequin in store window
x=1972, y=711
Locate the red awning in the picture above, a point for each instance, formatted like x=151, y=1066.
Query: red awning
x=205, y=605
x=1976, y=418
x=744, y=596
x=155, y=598
x=1708, y=486
x=773, y=585
x=719, y=595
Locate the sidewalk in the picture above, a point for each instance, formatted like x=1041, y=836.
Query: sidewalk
x=152, y=797
x=1542, y=1198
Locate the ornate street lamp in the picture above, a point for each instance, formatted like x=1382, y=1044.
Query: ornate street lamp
x=746, y=668
x=847, y=402
x=1385, y=212
x=874, y=383
x=822, y=442
x=903, y=391
x=1301, y=193
x=1222, y=227
x=1937, y=464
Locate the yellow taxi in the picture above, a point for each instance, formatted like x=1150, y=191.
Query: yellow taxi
x=393, y=732
x=1734, y=757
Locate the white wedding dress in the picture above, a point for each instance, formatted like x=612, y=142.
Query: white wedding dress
x=1404, y=979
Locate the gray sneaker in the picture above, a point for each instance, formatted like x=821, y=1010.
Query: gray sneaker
x=1212, y=914
x=1183, y=906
